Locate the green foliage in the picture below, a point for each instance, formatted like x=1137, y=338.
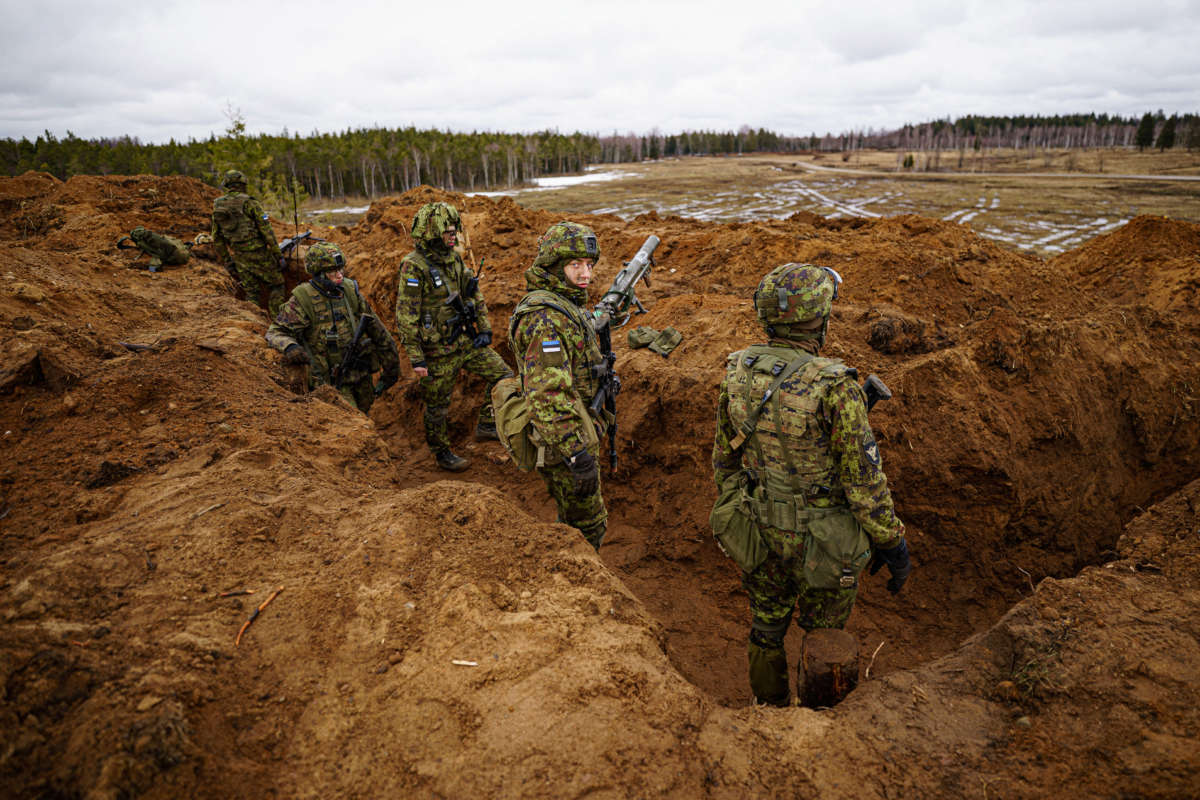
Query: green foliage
x=1166, y=136
x=1145, y=132
x=909, y=161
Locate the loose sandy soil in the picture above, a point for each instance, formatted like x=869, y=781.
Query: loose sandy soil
x=442, y=636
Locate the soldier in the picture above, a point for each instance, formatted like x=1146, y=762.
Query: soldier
x=245, y=242
x=807, y=465
x=316, y=326
x=556, y=347
x=439, y=339
x=161, y=248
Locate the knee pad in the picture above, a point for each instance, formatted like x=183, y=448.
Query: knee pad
x=769, y=635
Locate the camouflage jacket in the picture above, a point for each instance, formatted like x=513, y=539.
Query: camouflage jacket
x=812, y=441
x=323, y=322
x=240, y=224
x=555, y=347
x=423, y=320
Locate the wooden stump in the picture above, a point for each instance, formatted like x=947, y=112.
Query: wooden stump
x=828, y=668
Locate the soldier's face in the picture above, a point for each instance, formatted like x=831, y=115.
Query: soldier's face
x=335, y=276
x=579, y=272
x=450, y=237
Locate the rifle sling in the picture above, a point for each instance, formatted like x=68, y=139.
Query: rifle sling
x=751, y=422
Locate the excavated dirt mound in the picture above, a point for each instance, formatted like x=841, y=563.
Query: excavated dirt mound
x=447, y=638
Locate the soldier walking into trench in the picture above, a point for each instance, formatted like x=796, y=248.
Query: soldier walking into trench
x=557, y=351
x=436, y=335
x=316, y=327
x=803, y=499
x=246, y=244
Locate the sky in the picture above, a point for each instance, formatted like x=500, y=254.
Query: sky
x=165, y=69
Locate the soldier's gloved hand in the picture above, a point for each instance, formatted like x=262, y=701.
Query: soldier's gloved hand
x=295, y=354
x=897, y=562
x=483, y=340
x=585, y=472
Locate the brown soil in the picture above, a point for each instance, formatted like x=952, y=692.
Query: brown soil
x=1042, y=446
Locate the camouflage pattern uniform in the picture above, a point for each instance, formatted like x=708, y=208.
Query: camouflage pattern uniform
x=428, y=276
x=243, y=238
x=556, y=346
x=321, y=317
x=162, y=249
x=812, y=446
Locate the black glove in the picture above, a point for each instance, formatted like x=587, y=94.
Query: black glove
x=483, y=340
x=585, y=473
x=295, y=354
x=897, y=562
x=386, y=381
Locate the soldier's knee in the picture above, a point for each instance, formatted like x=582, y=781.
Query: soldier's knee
x=769, y=635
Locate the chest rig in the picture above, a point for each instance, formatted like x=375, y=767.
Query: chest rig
x=774, y=398
x=333, y=321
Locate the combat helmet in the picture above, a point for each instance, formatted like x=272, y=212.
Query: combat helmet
x=322, y=257
x=566, y=241
x=793, y=301
x=233, y=178
x=431, y=221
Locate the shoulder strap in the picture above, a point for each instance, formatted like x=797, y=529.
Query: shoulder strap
x=538, y=298
x=751, y=422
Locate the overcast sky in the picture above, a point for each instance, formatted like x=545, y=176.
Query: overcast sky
x=166, y=69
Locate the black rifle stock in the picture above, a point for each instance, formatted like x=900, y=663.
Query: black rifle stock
x=613, y=309
x=350, y=356
x=466, y=316
x=876, y=390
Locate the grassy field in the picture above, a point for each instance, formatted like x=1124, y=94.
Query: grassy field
x=1044, y=202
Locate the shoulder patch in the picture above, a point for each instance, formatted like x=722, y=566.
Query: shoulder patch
x=412, y=281
x=551, y=352
x=870, y=448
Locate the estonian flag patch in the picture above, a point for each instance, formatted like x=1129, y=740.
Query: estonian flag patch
x=412, y=282
x=551, y=346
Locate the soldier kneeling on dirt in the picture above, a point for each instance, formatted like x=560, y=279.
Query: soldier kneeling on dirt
x=317, y=328
x=803, y=503
x=162, y=249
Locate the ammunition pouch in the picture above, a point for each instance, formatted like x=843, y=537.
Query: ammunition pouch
x=836, y=549
x=517, y=433
x=735, y=524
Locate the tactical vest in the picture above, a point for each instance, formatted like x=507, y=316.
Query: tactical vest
x=433, y=321
x=332, y=326
x=229, y=212
x=583, y=377
x=788, y=454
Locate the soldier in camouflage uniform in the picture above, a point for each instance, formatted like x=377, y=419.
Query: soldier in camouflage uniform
x=432, y=333
x=556, y=347
x=316, y=326
x=161, y=248
x=245, y=242
x=811, y=448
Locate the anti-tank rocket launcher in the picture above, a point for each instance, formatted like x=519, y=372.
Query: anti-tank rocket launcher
x=613, y=310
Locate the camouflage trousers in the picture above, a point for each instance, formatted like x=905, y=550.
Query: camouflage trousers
x=777, y=591
x=438, y=385
x=586, y=513
x=360, y=394
x=256, y=271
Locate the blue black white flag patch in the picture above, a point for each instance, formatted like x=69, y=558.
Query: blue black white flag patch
x=551, y=346
x=412, y=282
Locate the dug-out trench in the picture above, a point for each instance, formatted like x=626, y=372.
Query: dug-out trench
x=659, y=544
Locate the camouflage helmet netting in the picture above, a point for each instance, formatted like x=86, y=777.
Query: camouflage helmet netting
x=432, y=220
x=566, y=241
x=795, y=294
x=323, y=256
x=233, y=178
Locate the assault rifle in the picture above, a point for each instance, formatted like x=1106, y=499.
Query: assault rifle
x=613, y=308
x=466, y=313
x=338, y=376
x=292, y=242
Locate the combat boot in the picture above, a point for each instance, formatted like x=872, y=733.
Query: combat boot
x=485, y=431
x=448, y=461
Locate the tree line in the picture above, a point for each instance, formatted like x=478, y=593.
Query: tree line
x=369, y=162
